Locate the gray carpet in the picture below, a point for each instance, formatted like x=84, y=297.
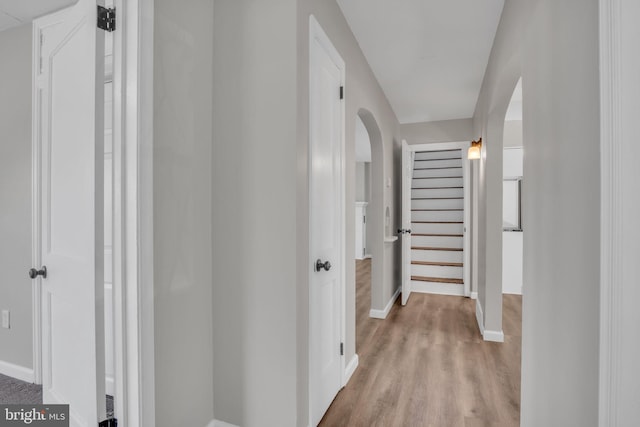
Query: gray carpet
x=16, y=391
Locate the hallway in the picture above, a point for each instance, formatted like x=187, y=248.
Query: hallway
x=427, y=365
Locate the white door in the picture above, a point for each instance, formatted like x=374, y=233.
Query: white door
x=69, y=87
x=326, y=223
x=405, y=232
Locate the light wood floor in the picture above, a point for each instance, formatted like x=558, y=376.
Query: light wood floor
x=426, y=365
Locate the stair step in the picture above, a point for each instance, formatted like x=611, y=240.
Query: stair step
x=438, y=264
x=437, y=280
x=427, y=248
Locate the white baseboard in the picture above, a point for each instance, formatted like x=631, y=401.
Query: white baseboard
x=487, y=335
x=382, y=314
x=367, y=256
x=437, y=288
x=479, y=317
x=110, y=385
x=495, y=336
x=218, y=423
x=350, y=369
x=17, y=372
x=474, y=295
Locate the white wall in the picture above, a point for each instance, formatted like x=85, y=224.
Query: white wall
x=440, y=131
x=182, y=212
x=512, y=241
x=15, y=196
x=553, y=46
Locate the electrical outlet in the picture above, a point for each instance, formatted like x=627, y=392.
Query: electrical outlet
x=5, y=319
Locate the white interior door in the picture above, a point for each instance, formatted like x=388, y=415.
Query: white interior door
x=68, y=117
x=405, y=232
x=326, y=224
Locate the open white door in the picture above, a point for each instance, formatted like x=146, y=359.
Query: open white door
x=405, y=231
x=68, y=140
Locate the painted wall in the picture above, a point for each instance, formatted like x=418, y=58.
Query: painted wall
x=182, y=212
x=15, y=196
x=440, y=131
x=553, y=46
x=513, y=133
x=512, y=241
x=255, y=225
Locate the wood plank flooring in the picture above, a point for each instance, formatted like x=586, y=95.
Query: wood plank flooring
x=426, y=365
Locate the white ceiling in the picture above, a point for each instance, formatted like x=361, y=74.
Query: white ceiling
x=14, y=13
x=429, y=56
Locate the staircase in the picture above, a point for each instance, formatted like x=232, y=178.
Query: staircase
x=437, y=214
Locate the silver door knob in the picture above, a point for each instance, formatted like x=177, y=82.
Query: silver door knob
x=323, y=265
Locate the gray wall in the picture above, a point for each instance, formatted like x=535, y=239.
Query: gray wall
x=513, y=133
x=440, y=131
x=182, y=212
x=15, y=194
x=553, y=46
x=254, y=220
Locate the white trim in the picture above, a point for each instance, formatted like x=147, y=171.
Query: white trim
x=487, y=334
x=391, y=239
x=367, y=256
x=218, y=423
x=480, y=317
x=318, y=35
x=611, y=237
x=16, y=371
x=493, y=336
x=36, y=224
x=134, y=402
x=350, y=369
x=437, y=288
x=382, y=314
x=474, y=295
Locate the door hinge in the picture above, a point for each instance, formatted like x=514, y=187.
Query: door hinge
x=364, y=219
x=106, y=19
x=341, y=349
x=111, y=422
x=341, y=92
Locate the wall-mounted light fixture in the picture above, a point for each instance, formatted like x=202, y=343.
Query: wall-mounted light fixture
x=474, y=150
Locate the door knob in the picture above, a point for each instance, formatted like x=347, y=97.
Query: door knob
x=320, y=265
x=33, y=273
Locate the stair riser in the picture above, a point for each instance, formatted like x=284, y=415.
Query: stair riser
x=430, y=155
x=436, y=241
x=437, y=192
x=437, y=228
x=429, y=164
x=437, y=204
x=436, y=256
x=437, y=216
x=437, y=182
x=437, y=172
x=436, y=271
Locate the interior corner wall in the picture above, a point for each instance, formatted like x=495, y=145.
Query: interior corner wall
x=439, y=131
x=255, y=229
x=16, y=345
x=554, y=47
x=182, y=212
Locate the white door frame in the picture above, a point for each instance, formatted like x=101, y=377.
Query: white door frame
x=316, y=31
x=133, y=217
x=463, y=145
